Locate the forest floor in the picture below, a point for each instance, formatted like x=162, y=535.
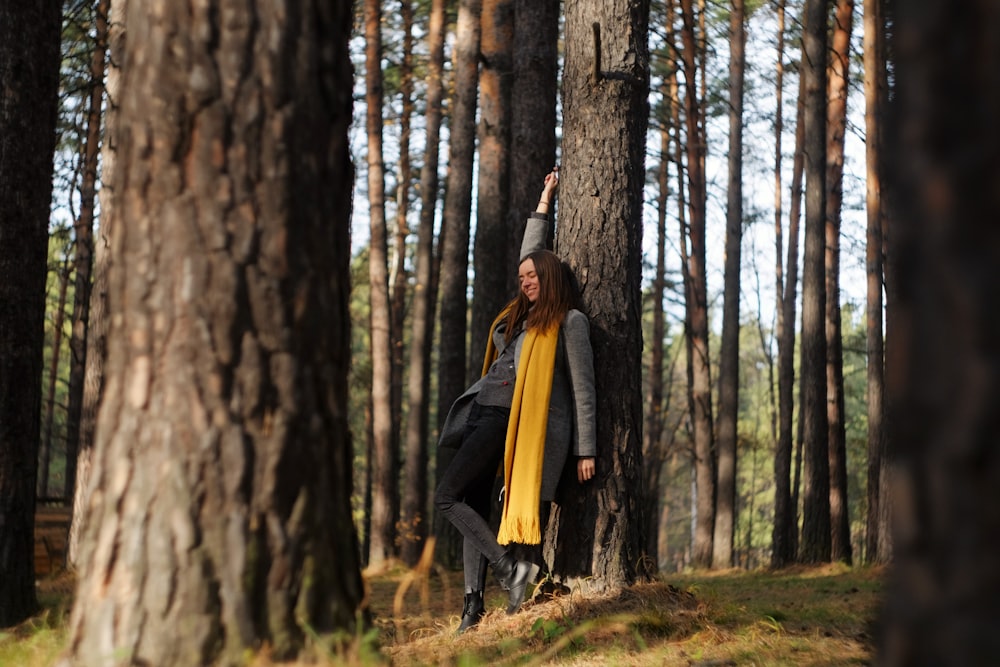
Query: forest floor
x=798, y=616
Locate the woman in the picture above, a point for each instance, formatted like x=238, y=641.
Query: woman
x=533, y=403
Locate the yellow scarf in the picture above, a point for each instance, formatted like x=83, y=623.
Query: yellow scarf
x=524, y=451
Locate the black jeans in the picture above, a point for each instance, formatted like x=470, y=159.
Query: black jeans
x=463, y=495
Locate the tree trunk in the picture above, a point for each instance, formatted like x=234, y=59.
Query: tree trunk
x=606, y=114
x=223, y=455
x=84, y=256
x=816, y=489
x=840, y=522
x=697, y=301
x=784, y=529
x=29, y=70
x=455, y=242
x=97, y=323
x=943, y=605
x=414, y=510
x=384, y=455
x=493, y=232
x=878, y=544
x=653, y=454
x=729, y=355
x=533, y=113
x=399, y=275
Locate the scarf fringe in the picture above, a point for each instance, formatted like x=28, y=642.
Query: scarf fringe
x=521, y=529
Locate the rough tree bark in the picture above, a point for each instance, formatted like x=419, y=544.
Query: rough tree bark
x=220, y=518
x=599, y=235
x=29, y=70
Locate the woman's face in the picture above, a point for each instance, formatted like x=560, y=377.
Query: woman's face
x=527, y=278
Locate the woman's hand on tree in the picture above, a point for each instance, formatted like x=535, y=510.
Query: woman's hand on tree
x=551, y=183
x=585, y=468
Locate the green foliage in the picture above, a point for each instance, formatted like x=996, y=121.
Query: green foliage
x=548, y=629
x=359, y=379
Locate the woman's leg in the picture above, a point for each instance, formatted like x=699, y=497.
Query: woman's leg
x=474, y=467
x=470, y=477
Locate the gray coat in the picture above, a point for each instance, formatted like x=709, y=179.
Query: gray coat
x=572, y=406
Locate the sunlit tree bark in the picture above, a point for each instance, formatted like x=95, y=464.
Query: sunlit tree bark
x=220, y=519
x=599, y=235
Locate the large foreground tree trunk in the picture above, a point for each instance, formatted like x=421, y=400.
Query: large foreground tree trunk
x=29, y=72
x=599, y=235
x=943, y=605
x=223, y=459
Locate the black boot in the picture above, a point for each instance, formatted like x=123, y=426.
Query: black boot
x=473, y=611
x=515, y=575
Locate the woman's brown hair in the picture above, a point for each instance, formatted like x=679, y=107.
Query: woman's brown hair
x=555, y=296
